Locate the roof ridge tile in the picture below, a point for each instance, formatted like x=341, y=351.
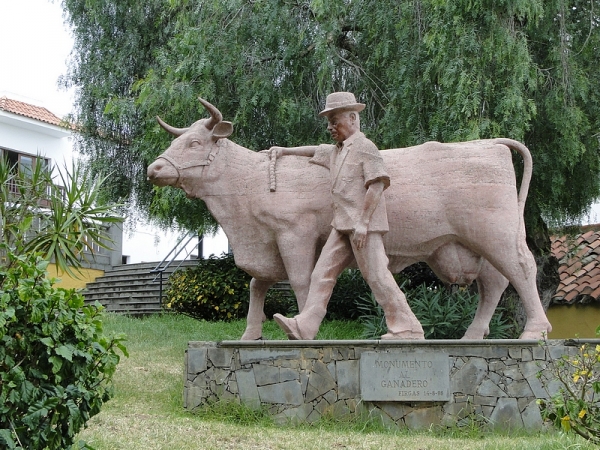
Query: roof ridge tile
x=28, y=110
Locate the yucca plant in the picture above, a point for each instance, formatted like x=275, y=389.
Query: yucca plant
x=54, y=222
x=443, y=314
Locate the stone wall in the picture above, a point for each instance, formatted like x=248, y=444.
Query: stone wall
x=492, y=380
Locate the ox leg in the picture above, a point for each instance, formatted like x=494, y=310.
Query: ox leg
x=491, y=285
x=521, y=272
x=299, y=258
x=256, y=314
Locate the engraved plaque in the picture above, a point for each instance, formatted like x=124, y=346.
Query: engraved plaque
x=405, y=376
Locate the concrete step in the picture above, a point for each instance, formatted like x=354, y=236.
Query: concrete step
x=122, y=289
x=131, y=297
x=131, y=288
x=146, y=269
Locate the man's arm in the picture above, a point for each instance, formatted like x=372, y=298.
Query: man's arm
x=372, y=199
x=307, y=150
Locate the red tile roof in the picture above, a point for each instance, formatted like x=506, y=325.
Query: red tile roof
x=28, y=110
x=579, y=266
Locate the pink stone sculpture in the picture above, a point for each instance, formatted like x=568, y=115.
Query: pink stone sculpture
x=454, y=206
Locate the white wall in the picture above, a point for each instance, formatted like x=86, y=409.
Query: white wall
x=34, y=137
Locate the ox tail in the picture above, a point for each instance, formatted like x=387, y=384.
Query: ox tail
x=523, y=191
x=527, y=169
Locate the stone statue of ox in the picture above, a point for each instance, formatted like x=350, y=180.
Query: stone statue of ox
x=454, y=206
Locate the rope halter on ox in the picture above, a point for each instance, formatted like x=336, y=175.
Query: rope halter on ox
x=189, y=164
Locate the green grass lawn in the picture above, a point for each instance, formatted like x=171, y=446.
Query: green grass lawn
x=146, y=411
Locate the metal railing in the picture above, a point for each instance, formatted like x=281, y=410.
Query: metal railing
x=168, y=260
x=14, y=189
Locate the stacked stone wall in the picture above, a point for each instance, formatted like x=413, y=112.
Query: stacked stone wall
x=495, y=381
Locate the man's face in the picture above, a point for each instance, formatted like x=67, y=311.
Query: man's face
x=342, y=125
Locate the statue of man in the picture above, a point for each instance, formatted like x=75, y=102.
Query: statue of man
x=358, y=179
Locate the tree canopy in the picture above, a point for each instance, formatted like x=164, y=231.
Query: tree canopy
x=446, y=70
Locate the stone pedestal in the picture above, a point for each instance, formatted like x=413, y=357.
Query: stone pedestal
x=429, y=382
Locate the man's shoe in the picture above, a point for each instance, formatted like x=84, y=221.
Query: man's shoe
x=402, y=335
x=290, y=326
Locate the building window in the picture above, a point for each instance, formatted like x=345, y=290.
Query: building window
x=25, y=164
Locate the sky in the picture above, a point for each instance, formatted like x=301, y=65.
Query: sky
x=34, y=53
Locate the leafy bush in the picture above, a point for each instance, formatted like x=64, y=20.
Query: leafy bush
x=280, y=301
x=447, y=315
x=575, y=407
x=371, y=317
x=443, y=315
x=56, y=365
x=418, y=274
x=350, y=285
x=216, y=289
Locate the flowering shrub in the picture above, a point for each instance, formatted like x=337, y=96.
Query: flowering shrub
x=575, y=407
x=349, y=286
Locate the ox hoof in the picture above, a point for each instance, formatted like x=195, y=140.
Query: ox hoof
x=535, y=335
x=403, y=335
x=290, y=326
x=471, y=335
x=537, y=331
x=251, y=336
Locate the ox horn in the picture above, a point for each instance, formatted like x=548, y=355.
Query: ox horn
x=215, y=114
x=174, y=131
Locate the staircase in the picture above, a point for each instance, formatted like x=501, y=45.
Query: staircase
x=131, y=289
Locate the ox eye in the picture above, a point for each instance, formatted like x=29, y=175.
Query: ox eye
x=195, y=143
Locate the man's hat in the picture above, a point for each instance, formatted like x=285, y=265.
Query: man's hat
x=341, y=101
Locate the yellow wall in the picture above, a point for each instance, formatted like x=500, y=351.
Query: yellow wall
x=573, y=321
x=68, y=282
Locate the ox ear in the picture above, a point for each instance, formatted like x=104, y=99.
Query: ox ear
x=222, y=130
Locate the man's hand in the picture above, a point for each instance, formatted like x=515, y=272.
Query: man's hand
x=372, y=198
x=277, y=150
x=359, y=237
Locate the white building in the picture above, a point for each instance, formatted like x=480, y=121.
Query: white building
x=31, y=134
